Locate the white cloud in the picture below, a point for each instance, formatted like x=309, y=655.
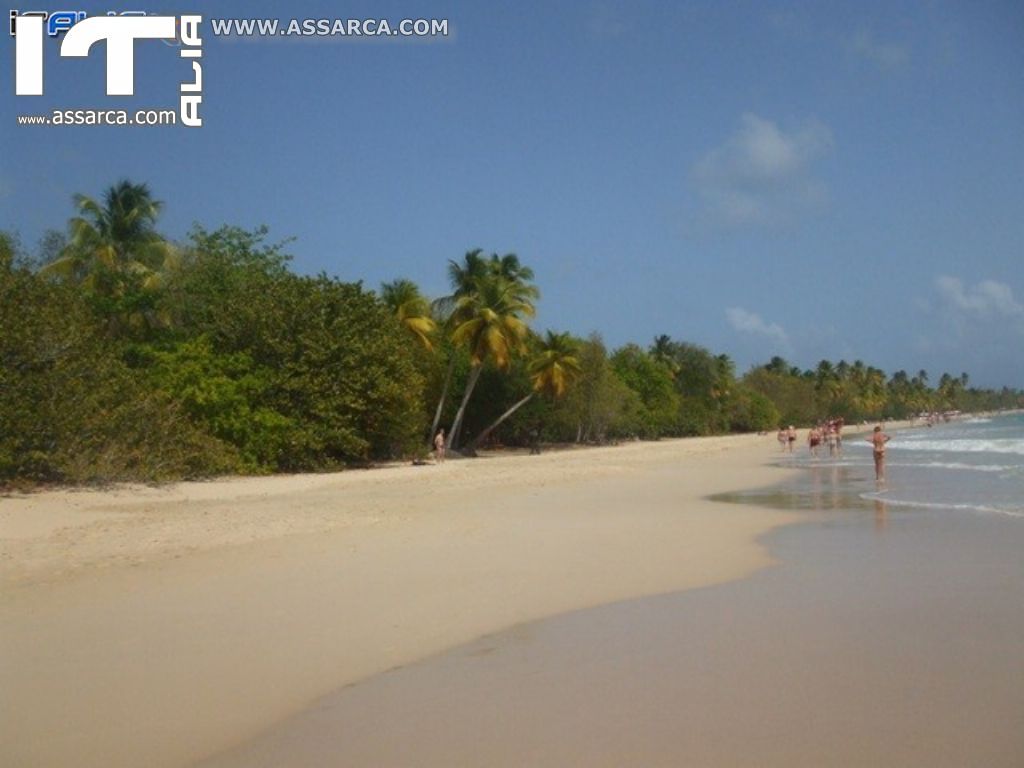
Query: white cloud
x=761, y=175
x=748, y=322
x=986, y=299
x=885, y=56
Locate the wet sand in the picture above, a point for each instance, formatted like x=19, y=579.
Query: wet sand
x=160, y=626
x=883, y=638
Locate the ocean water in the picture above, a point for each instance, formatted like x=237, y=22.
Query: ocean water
x=969, y=466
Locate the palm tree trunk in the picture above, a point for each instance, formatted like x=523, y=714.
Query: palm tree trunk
x=453, y=434
x=483, y=435
x=440, y=403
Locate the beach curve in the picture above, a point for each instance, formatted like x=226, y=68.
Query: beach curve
x=162, y=625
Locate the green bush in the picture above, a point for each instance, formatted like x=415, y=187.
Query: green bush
x=71, y=411
x=225, y=395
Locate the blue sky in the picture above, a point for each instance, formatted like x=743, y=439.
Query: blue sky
x=841, y=180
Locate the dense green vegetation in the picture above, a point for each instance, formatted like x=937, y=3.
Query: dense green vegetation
x=124, y=356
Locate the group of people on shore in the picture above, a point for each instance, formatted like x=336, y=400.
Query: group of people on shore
x=830, y=433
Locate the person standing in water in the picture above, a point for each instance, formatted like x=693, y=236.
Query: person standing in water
x=814, y=440
x=878, y=440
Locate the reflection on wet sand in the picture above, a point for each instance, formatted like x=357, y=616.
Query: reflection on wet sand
x=826, y=488
x=880, y=515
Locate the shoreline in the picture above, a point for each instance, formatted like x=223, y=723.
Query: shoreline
x=160, y=626
x=97, y=526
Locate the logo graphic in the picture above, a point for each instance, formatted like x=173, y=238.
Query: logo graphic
x=120, y=34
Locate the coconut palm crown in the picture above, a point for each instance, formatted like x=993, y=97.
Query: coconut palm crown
x=116, y=240
x=411, y=309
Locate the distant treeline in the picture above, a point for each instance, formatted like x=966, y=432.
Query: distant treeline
x=124, y=356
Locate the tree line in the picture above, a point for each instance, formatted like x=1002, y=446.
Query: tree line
x=125, y=356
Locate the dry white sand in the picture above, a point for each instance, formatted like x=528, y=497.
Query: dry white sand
x=156, y=626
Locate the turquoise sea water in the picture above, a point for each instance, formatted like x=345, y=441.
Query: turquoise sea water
x=970, y=466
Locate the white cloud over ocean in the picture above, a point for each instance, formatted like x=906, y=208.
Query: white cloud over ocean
x=763, y=175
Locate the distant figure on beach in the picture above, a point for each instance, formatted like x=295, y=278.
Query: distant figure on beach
x=439, y=446
x=791, y=437
x=831, y=436
x=839, y=435
x=878, y=440
x=783, y=439
x=535, y=441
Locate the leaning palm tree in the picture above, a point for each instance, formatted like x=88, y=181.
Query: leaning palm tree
x=407, y=304
x=555, y=368
x=490, y=324
x=464, y=278
x=113, y=241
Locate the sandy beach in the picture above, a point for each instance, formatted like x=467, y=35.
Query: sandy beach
x=160, y=626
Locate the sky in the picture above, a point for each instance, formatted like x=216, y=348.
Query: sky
x=805, y=179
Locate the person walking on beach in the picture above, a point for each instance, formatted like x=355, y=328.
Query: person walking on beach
x=791, y=437
x=783, y=438
x=439, y=446
x=878, y=440
x=831, y=438
x=814, y=440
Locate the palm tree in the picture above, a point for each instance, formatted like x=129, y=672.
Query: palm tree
x=663, y=351
x=407, y=304
x=465, y=278
x=725, y=377
x=950, y=390
x=873, y=395
x=922, y=396
x=555, y=368
x=115, y=241
x=829, y=384
x=489, y=323
x=462, y=278
x=778, y=365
